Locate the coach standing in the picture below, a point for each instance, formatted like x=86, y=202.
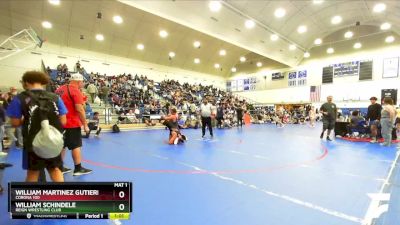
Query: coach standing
x=76, y=118
x=329, y=112
x=205, y=112
x=373, y=117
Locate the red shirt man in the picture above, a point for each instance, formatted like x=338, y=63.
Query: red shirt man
x=76, y=118
x=71, y=98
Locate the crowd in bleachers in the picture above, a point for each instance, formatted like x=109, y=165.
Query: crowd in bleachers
x=300, y=115
x=134, y=97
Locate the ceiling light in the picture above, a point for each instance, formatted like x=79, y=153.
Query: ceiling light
x=242, y=59
x=214, y=6
x=140, y=46
x=280, y=12
x=222, y=52
x=249, y=24
x=197, y=44
x=117, y=19
x=216, y=65
x=171, y=54
x=306, y=54
x=318, y=41
x=163, y=33
x=348, y=34
x=389, y=39
x=380, y=7
x=259, y=64
x=336, y=19
x=330, y=50
x=47, y=24
x=386, y=26
x=233, y=69
x=197, y=60
x=357, y=45
x=274, y=37
x=318, y=1
x=99, y=37
x=292, y=47
x=301, y=29
x=54, y=2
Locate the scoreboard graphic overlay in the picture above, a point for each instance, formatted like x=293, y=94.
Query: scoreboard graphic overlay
x=85, y=200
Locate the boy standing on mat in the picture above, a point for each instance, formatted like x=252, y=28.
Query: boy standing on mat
x=329, y=113
x=26, y=110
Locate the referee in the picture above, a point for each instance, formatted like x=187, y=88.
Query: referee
x=205, y=110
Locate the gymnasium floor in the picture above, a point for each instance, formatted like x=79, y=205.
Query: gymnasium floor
x=255, y=175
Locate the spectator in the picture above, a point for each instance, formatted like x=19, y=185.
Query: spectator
x=92, y=90
x=388, y=116
x=220, y=115
x=104, y=94
x=131, y=117
x=18, y=110
x=15, y=134
x=355, y=120
x=312, y=116
x=93, y=124
x=2, y=122
x=239, y=114
x=73, y=99
x=397, y=123
x=373, y=117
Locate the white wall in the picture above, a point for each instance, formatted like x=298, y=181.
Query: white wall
x=12, y=68
x=346, y=91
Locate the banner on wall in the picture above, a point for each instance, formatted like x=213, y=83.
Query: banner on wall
x=240, y=85
x=292, y=79
x=390, y=67
x=246, y=84
x=346, y=69
x=233, y=85
x=391, y=93
x=228, y=86
x=302, y=78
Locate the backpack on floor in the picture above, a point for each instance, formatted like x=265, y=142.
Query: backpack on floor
x=115, y=128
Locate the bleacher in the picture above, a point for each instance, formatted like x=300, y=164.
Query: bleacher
x=146, y=93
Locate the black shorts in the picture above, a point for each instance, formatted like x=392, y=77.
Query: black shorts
x=72, y=138
x=397, y=121
x=30, y=161
x=328, y=124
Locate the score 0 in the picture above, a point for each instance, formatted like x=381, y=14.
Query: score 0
x=122, y=192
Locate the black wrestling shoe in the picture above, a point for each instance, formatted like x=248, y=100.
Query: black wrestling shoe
x=4, y=165
x=328, y=138
x=322, y=135
x=66, y=170
x=98, y=131
x=82, y=171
